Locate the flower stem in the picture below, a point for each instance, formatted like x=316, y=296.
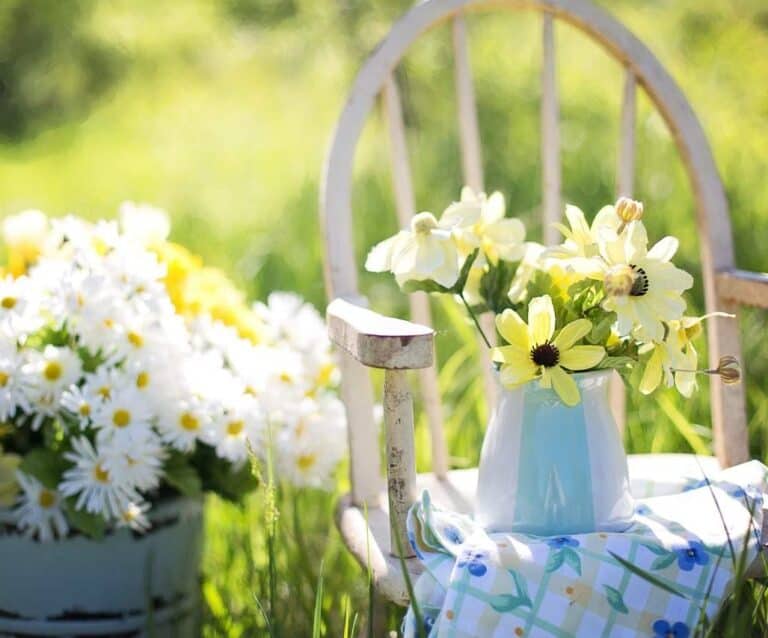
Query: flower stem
x=477, y=323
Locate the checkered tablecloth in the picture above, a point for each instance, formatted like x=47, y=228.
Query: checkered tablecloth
x=515, y=585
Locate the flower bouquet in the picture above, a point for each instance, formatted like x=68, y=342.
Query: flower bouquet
x=131, y=376
x=567, y=315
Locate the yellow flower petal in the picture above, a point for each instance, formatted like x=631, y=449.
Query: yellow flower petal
x=541, y=319
x=513, y=329
x=652, y=373
x=572, y=333
x=582, y=357
x=565, y=386
x=508, y=354
x=514, y=375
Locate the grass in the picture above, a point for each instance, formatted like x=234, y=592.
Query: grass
x=224, y=119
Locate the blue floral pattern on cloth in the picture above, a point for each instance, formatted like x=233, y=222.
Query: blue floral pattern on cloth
x=665, y=629
x=498, y=585
x=695, y=553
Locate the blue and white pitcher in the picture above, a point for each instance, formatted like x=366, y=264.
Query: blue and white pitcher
x=549, y=469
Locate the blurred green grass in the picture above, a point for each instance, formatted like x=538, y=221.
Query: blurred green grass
x=221, y=112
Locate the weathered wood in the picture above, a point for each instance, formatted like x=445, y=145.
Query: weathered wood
x=744, y=287
x=550, y=134
x=469, y=135
x=625, y=170
x=377, y=341
x=419, y=301
x=365, y=474
x=401, y=458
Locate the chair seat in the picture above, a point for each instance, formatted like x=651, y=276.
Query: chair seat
x=650, y=475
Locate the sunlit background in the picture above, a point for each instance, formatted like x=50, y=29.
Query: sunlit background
x=221, y=112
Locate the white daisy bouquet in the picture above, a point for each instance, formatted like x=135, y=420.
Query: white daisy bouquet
x=602, y=299
x=130, y=372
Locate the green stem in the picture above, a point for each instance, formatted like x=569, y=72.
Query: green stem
x=474, y=318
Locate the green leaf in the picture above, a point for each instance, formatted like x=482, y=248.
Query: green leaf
x=660, y=562
x=509, y=602
x=45, y=465
x=554, y=560
x=458, y=287
x=92, y=525
x=426, y=285
x=180, y=474
x=647, y=576
x=615, y=599
x=572, y=559
x=601, y=326
x=495, y=284
x=615, y=362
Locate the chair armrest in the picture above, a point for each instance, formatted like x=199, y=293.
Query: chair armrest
x=744, y=287
x=377, y=341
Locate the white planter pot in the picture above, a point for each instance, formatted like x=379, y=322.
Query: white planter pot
x=126, y=584
x=549, y=469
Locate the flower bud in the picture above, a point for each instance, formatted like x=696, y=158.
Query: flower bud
x=729, y=369
x=423, y=223
x=628, y=210
x=619, y=280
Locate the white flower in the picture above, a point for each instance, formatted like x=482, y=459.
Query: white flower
x=183, y=421
x=581, y=239
x=287, y=317
x=144, y=223
x=655, y=293
x=25, y=234
x=480, y=221
x=39, y=513
x=241, y=424
x=12, y=391
x=122, y=417
x=134, y=516
x=425, y=252
x=93, y=484
x=75, y=401
x=135, y=463
x=311, y=442
x=47, y=374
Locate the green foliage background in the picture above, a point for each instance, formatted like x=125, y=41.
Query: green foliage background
x=221, y=112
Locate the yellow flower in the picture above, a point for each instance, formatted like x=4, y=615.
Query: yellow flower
x=643, y=287
x=581, y=239
x=25, y=235
x=532, y=352
x=9, y=463
x=480, y=221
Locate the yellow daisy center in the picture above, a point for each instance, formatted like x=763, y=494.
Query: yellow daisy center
x=249, y=389
x=142, y=380
x=3, y=379
x=121, y=417
x=136, y=339
x=8, y=303
x=104, y=391
x=306, y=461
x=46, y=499
x=100, y=474
x=189, y=422
x=235, y=427
x=53, y=371
x=84, y=410
x=285, y=377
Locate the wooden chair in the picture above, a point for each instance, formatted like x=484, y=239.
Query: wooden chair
x=368, y=339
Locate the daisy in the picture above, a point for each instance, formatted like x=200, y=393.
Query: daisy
x=643, y=288
x=138, y=464
x=134, y=516
x=533, y=353
x=96, y=490
x=183, y=421
x=39, y=514
x=12, y=390
x=124, y=416
x=143, y=223
x=241, y=424
x=497, y=236
x=75, y=401
x=47, y=374
x=427, y=251
x=25, y=234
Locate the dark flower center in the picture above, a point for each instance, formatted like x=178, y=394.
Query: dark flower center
x=546, y=355
x=691, y=553
x=640, y=285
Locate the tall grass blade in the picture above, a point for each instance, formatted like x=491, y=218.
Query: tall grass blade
x=317, y=620
x=409, y=588
x=637, y=571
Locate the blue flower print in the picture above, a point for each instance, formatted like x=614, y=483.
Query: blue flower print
x=562, y=541
x=694, y=554
x=429, y=622
x=453, y=535
x=473, y=560
x=414, y=545
x=663, y=629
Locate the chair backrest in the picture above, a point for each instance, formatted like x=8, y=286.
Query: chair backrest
x=641, y=68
